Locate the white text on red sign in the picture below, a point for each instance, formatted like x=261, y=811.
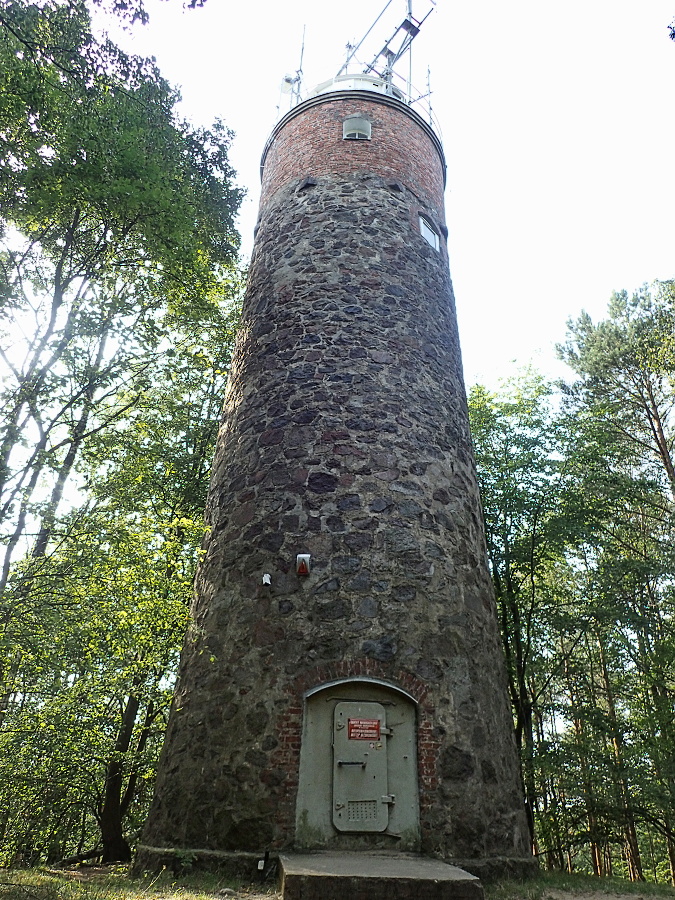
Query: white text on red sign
x=363, y=729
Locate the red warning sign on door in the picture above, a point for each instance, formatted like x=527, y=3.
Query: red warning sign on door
x=363, y=729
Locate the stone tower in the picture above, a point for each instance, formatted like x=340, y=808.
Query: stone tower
x=342, y=684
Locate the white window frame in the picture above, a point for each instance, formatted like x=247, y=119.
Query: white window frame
x=356, y=128
x=429, y=233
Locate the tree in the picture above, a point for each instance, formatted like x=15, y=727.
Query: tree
x=530, y=516
x=625, y=393
x=118, y=221
x=626, y=370
x=578, y=512
x=118, y=256
x=99, y=638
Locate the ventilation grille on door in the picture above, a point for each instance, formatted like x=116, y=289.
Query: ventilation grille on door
x=361, y=810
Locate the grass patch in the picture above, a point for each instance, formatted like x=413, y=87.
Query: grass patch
x=115, y=884
x=537, y=888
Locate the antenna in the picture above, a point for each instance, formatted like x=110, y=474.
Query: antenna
x=355, y=49
x=431, y=115
x=397, y=45
x=298, y=73
x=379, y=74
x=408, y=30
x=292, y=84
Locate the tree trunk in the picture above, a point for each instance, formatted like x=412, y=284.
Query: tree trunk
x=586, y=780
x=632, y=848
x=115, y=845
x=516, y=657
x=671, y=858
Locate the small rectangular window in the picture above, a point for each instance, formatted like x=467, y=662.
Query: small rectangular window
x=356, y=128
x=429, y=233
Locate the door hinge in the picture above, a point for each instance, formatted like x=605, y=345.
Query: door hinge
x=389, y=798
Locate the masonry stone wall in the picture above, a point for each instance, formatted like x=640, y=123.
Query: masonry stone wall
x=345, y=436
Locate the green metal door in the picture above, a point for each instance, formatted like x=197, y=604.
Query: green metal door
x=360, y=795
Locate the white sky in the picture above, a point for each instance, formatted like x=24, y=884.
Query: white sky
x=558, y=129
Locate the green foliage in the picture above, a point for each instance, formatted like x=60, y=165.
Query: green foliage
x=580, y=530
x=93, y=160
x=520, y=445
x=119, y=229
x=532, y=517
x=98, y=634
x=119, y=287
x=626, y=371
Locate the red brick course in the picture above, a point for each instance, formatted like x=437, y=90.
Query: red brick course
x=308, y=142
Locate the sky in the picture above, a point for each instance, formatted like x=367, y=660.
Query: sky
x=557, y=124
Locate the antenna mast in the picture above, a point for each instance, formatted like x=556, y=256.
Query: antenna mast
x=292, y=84
x=355, y=49
x=397, y=45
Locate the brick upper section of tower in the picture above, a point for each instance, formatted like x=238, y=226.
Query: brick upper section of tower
x=308, y=142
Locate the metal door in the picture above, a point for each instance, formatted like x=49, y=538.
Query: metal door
x=360, y=796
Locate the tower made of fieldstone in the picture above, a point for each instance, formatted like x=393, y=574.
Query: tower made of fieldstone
x=362, y=705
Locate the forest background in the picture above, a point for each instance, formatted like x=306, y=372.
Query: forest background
x=118, y=308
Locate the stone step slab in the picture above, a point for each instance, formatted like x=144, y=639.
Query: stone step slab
x=366, y=876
